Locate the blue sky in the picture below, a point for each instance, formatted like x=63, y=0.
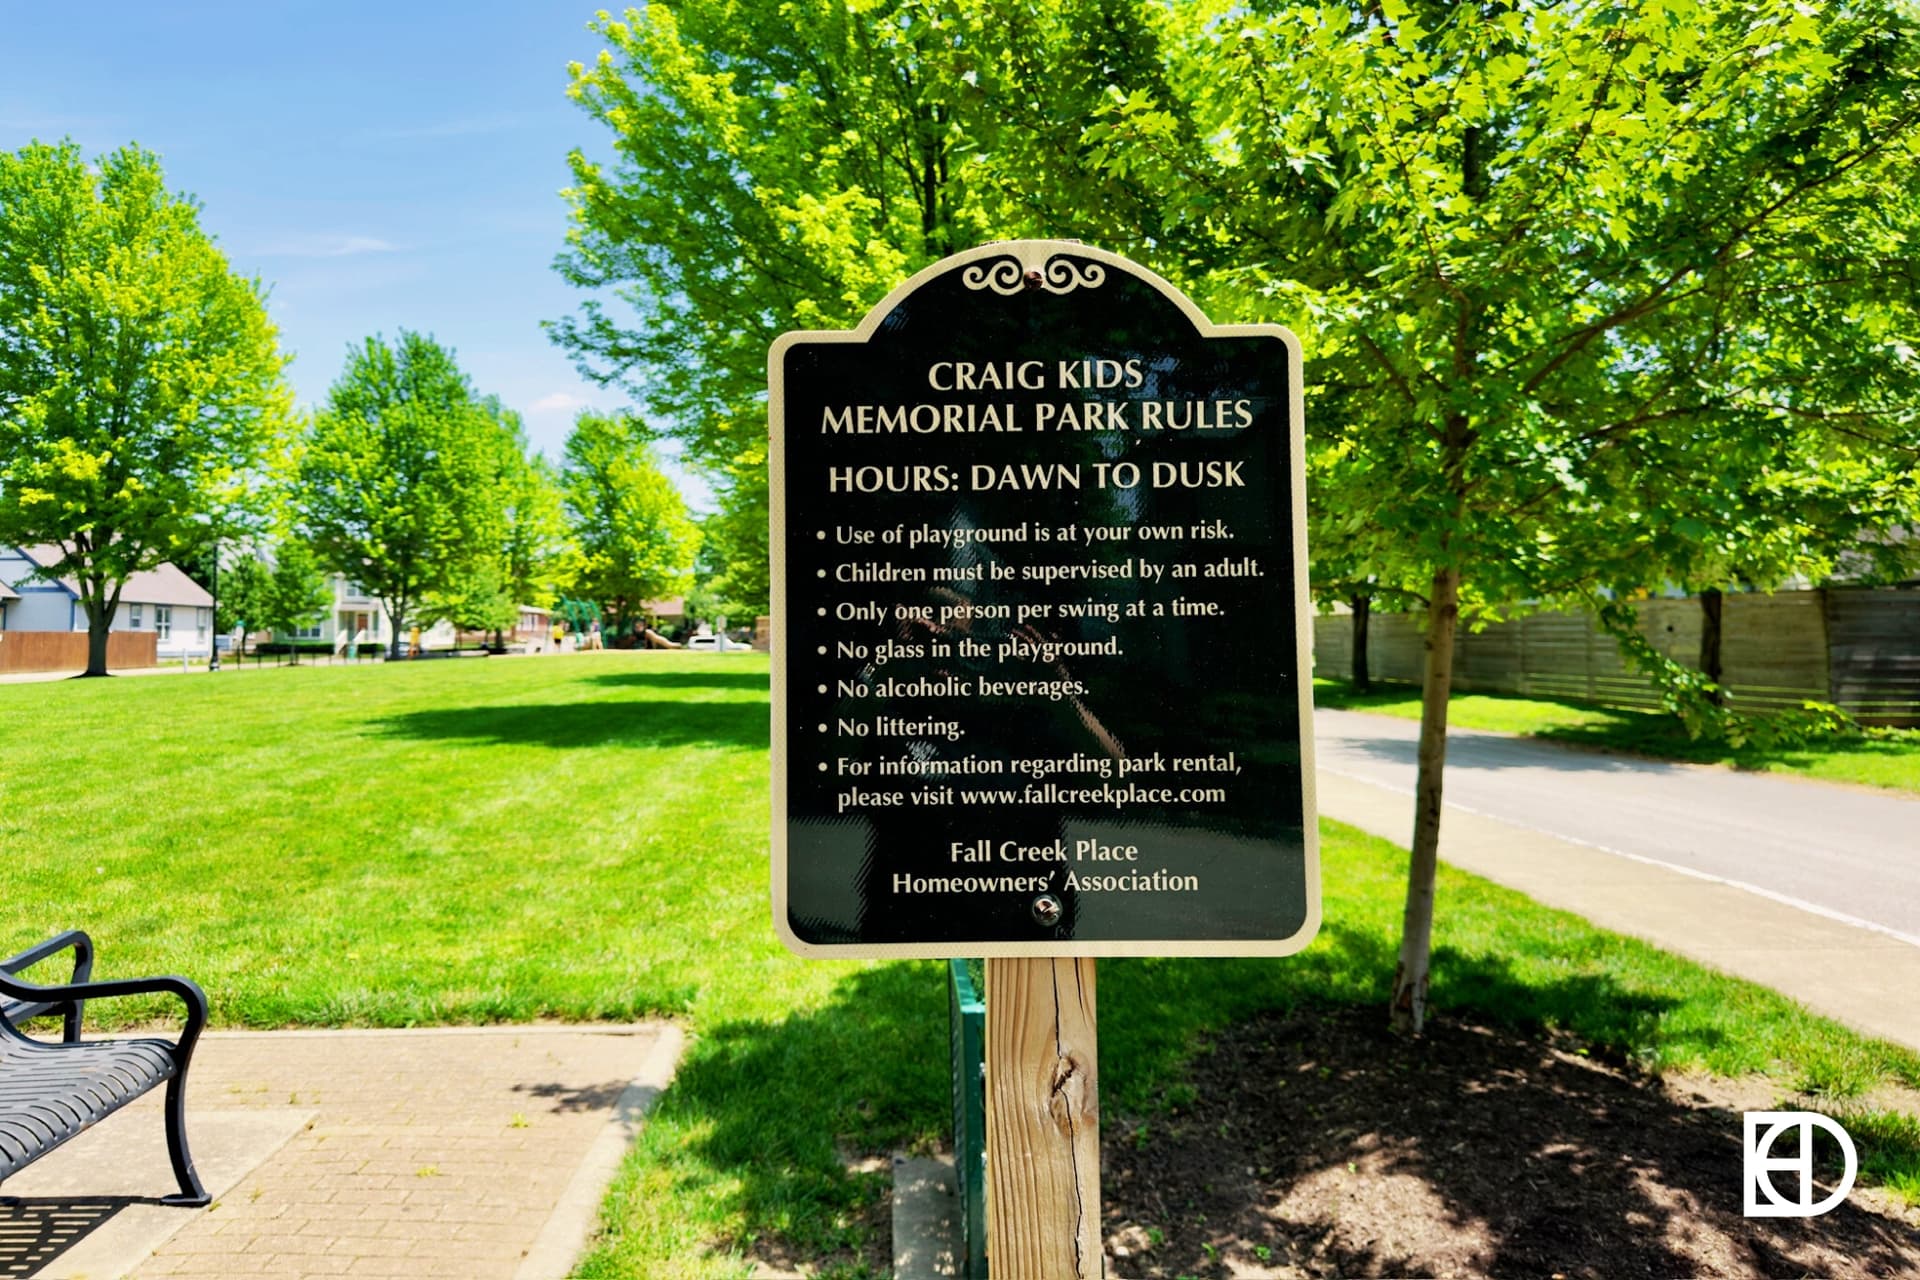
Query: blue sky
x=377, y=166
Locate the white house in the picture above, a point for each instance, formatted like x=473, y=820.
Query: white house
x=163, y=600
x=356, y=616
x=353, y=616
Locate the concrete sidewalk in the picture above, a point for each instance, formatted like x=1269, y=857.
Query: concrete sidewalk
x=1859, y=976
x=479, y=1153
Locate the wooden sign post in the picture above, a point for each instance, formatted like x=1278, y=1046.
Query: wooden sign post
x=1041, y=687
x=1043, y=1119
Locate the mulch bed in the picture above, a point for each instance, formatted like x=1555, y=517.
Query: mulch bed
x=1316, y=1144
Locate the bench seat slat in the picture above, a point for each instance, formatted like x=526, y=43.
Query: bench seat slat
x=51, y=1092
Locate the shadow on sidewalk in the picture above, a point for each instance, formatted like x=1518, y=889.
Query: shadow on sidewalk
x=36, y=1231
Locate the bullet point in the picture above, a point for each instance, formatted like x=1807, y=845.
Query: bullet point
x=822, y=535
x=823, y=651
x=821, y=611
x=822, y=728
x=823, y=688
x=819, y=573
x=823, y=766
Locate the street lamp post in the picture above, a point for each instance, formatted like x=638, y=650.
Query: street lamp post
x=213, y=632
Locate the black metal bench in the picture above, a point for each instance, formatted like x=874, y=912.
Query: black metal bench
x=52, y=1091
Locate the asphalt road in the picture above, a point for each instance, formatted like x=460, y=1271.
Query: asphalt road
x=1845, y=852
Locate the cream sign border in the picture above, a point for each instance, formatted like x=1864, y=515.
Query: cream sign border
x=1006, y=267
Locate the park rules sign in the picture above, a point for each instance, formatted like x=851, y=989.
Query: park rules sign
x=1040, y=676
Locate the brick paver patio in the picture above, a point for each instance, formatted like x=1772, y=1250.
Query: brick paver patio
x=476, y=1153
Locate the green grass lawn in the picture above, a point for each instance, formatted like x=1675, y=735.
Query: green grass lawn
x=1877, y=757
x=469, y=841
x=587, y=838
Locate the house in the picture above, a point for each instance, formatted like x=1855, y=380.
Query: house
x=534, y=629
x=665, y=613
x=354, y=617
x=163, y=600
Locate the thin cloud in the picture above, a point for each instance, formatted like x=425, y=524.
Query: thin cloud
x=460, y=127
x=326, y=246
x=557, y=402
x=45, y=124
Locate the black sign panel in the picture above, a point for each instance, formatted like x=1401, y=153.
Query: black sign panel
x=1040, y=664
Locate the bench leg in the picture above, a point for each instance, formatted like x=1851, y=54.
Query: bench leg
x=192, y=1194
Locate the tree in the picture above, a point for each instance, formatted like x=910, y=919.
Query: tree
x=478, y=600
x=399, y=475
x=529, y=559
x=635, y=538
x=776, y=166
x=295, y=592
x=1596, y=298
x=734, y=557
x=140, y=380
x=244, y=586
x=537, y=558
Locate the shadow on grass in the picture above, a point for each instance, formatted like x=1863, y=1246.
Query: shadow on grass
x=755, y=680
x=1154, y=1011
x=1593, y=1007
x=777, y=1107
x=625, y=723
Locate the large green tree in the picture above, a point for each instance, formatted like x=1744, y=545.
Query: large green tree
x=140, y=380
x=635, y=539
x=776, y=165
x=529, y=560
x=399, y=476
x=1595, y=297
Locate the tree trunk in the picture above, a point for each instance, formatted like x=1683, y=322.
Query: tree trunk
x=1362, y=614
x=395, y=615
x=1710, y=602
x=99, y=624
x=1416, y=930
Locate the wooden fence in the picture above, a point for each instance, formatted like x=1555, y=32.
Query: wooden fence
x=67, y=650
x=1856, y=647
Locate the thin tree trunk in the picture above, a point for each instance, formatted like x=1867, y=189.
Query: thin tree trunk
x=1362, y=614
x=1710, y=603
x=1416, y=933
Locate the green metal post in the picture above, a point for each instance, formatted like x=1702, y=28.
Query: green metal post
x=968, y=1031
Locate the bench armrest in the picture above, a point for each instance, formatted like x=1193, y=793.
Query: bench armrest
x=72, y=995
x=82, y=947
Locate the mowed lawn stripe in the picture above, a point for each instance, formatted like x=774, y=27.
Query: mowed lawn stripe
x=445, y=841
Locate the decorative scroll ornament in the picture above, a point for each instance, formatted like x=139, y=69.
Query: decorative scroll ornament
x=1060, y=275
